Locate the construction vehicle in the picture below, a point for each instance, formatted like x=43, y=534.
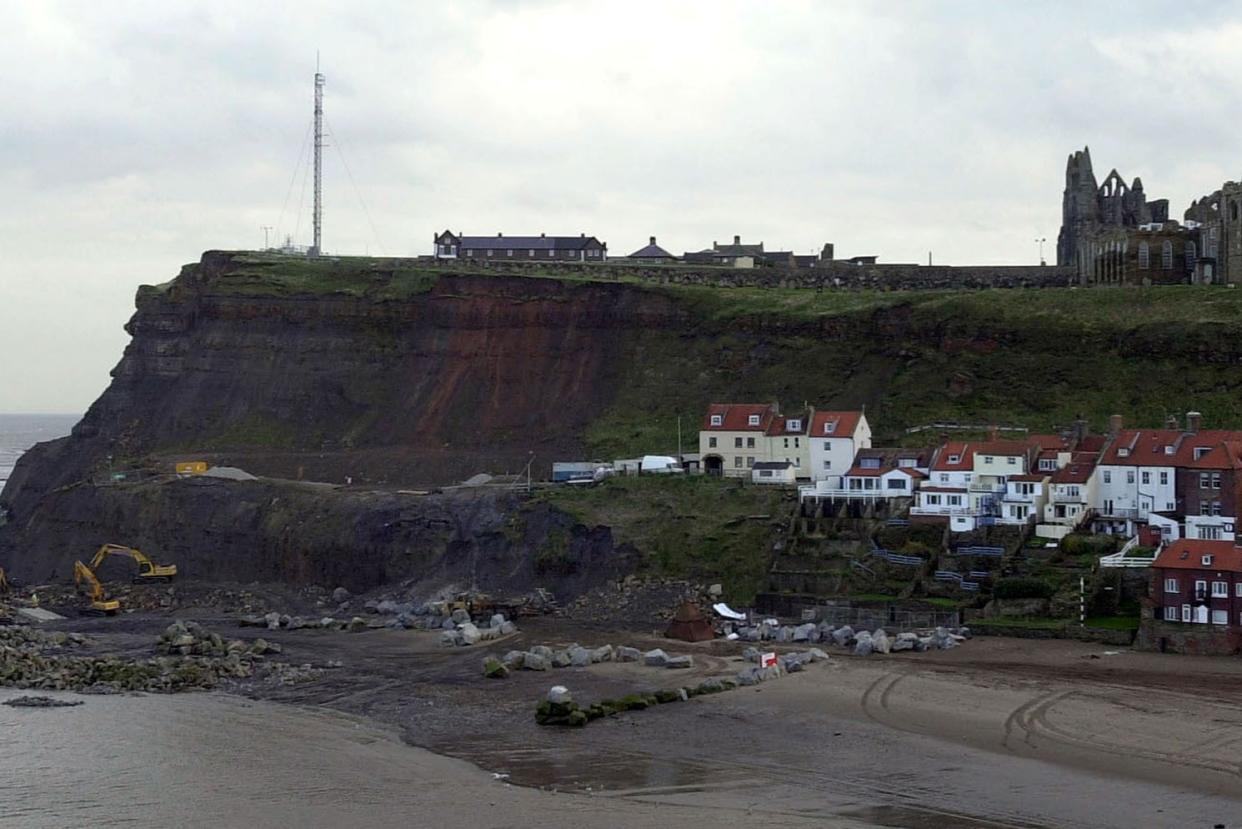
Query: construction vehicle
x=89, y=585
x=147, y=569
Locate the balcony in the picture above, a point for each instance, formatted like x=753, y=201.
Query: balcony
x=941, y=509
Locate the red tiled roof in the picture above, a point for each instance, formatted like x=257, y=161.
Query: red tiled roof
x=1149, y=447
x=1035, y=476
x=1225, y=455
x=1003, y=447
x=735, y=417
x=846, y=423
x=1187, y=554
x=954, y=447
x=780, y=425
x=1093, y=443
x=1078, y=470
x=865, y=472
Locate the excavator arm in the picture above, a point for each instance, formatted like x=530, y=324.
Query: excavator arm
x=89, y=585
x=147, y=569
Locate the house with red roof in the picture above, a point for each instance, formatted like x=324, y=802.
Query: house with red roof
x=1071, y=492
x=735, y=436
x=1198, y=582
x=944, y=496
x=887, y=473
x=835, y=438
x=1209, y=488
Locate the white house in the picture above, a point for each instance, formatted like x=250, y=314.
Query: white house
x=835, y=438
x=1137, y=476
x=734, y=437
x=1071, y=494
x=944, y=495
x=1024, y=498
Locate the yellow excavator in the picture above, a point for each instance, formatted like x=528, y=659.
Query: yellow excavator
x=147, y=569
x=89, y=585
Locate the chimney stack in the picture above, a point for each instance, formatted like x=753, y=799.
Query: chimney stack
x=500, y=235
x=737, y=240
x=652, y=241
x=1170, y=422
x=1192, y=422
x=993, y=432
x=543, y=235
x=1114, y=425
x=1081, y=428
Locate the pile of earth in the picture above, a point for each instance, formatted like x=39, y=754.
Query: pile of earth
x=634, y=600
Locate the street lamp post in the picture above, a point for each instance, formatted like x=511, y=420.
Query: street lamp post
x=1040, y=241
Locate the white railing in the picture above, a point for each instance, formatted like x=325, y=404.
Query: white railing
x=935, y=510
x=813, y=491
x=1123, y=557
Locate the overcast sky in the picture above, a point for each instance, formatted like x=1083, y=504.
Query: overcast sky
x=136, y=135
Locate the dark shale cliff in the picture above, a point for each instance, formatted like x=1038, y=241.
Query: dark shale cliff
x=394, y=374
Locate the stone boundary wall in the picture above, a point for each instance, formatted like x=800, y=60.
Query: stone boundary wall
x=832, y=275
x=1200, y=640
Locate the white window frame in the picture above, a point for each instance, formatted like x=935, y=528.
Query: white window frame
x=752, y=420
x=1220, y=589
x=717, y=420
x=1186, y=613
x=1237, y=590
x=794, y=426
x=1171, y=586
x=1170, y=613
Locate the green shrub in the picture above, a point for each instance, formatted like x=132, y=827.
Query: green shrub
x=1023, y=587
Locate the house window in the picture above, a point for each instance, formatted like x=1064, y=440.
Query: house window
x=955, y=458
x=1166, y=256
x=869, y=463
x=1170, y=614
x=753, y=420
x=955, y=500
x=830, y=427
x=988, y=459
x=1204, y=480
x=1146, y=477
x=1072, y=491
x=737, y=462
x=532, y=253
x=1191, y=254
x=797, y=462
x=794, y=426
x=827, y=464
x=1205, y=507
x=737, y=443
x=1216, y=508
x=1200, y=588
x=1185, y=613
x=711, y=443
x=1013, y=461
x=1200, y=451
x=933, y=500
x=1215, y=480
x=1164, y=478
x=1129, y=476
x=717, y=420
x=750, y=443
x=469, y=253
x=797, y=443
x=490, y=251
x=1220, y=617
x=896, y=483
x=1220, y=590
x=944, y=477
x=1144, y=256
x=750, y=462
x=786, y=443
x=1108, y=477
x=765, y=474
x=508, y=252
x=1209, y=533
x=1237, y=590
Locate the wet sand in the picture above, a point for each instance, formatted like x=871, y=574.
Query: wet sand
x=996, y=733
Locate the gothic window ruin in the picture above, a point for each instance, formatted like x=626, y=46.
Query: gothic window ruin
x=1233, y=210
x=1166, y=256
x=1144, y=256
x=1192, y=254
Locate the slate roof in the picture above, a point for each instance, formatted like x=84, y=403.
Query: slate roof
x=652, y=251
x=526, y=242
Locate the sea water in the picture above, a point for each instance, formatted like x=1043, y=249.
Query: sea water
x=19, y=432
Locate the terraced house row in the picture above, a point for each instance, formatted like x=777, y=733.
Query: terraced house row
x=1158, y=485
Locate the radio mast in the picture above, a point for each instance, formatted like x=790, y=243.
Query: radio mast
x=317, y=219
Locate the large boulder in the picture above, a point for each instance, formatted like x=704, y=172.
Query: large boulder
x=627, y=654
x=843, y=635
x=604, y=653
x=905, y=642
x=493, y=668
x=751, y=654
x=450, y=638
x=469, y=634
x=655, y=658
x=356, y=624
x=863, y=645
x=579, y=657
x=460, y=616
x=340, y=595
x=272, y=620
x=507, y=628
x=542, y=650
x=817, y=655
x=535, y=662
x=802, y=633
x=514, y=659
x=562, y=659
x=498, y=619
x=880, y=641
x=559, y=695
x=679, y=662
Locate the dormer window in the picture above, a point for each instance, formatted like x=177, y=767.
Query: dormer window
x=717, y=420
x=1207, y=561
x=1123, y=452
x=794, y=426
x=753, y=420
x=869, y=463
x=1168, y=450
x=1200, y=451
x=830, y=427
x=955, y=458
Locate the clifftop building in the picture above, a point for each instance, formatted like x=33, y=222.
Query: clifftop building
x=1111, y=233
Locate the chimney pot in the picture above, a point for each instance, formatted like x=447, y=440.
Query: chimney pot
x=737, y=240
x=1193, y=420
x=653, y=240
x=499, y=235
x=543, y=235
x=1114, y=425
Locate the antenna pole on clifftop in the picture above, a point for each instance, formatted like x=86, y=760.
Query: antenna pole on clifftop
x=317, y=219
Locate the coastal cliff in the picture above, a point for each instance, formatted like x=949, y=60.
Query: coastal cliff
x=394, y=373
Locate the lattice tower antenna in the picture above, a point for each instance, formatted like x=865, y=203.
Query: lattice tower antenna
x=317, y=218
